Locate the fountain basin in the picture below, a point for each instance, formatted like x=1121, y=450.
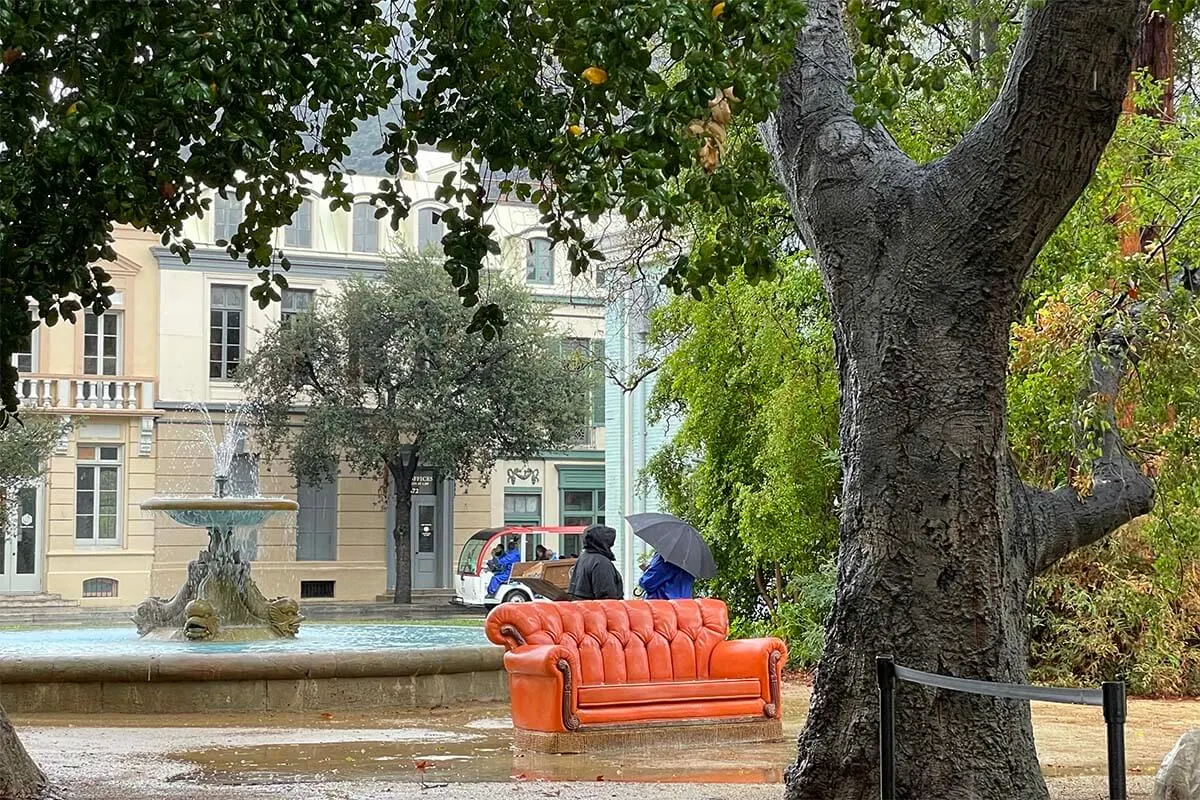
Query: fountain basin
x=222, y=680
x=219, y=601
x=221, y=512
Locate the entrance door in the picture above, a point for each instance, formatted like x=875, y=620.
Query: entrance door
x=425, y=542
x=19, y=561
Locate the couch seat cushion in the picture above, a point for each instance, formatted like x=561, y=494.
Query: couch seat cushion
x=624, y=694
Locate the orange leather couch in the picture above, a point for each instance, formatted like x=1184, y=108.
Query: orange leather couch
x=613, y=662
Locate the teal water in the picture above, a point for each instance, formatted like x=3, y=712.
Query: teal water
x=312, y=638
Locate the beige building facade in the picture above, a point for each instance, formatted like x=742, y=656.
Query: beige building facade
x=138, y=382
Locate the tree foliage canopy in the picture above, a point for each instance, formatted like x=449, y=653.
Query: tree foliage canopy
x=753, y=463
x=1122, y=607
x=24, y=449
x=389, y=376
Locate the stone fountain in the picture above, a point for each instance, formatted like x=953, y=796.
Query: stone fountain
x=219, y=601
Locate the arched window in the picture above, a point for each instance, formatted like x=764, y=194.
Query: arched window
x=299, y=232
x=431, y=229
x=539, y=261
x=227, y=215
x=365, y=236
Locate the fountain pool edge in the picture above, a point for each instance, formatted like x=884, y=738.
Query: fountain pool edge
x=174, y=683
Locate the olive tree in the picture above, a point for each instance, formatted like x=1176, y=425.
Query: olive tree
x=386, y=376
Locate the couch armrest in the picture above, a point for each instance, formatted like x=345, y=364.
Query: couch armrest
x=753, y=658
x=543, y=681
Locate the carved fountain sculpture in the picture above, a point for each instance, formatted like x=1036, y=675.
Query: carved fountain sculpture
x=219, y=601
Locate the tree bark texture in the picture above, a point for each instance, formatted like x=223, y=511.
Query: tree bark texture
x=402, y=474
x=940, y=540
x=20, y=778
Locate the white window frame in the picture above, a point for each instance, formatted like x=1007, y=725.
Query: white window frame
x=531, y=268
x=225, y=372
x=434, y=246
x=370, y=228
x=297, y=235
x=95, y=464
x=100, y=334
x=34, y=340
x=523, y=517
x=222, y=229
x=286, y=314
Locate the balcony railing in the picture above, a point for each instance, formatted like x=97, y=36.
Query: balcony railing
x=586, y=437
x=86, y=393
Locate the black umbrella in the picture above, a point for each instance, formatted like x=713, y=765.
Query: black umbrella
x=676, y=541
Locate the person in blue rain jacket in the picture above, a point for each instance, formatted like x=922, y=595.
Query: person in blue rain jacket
x=504, y=565
x=662, y=580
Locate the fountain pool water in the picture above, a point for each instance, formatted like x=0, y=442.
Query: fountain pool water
x=356, y=638
x=219, y=601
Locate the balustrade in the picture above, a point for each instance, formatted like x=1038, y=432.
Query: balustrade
x=85, y=393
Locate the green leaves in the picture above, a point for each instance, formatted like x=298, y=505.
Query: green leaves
x=391, y=366
x=753, y=463
x=25, y=446
x=133, y=122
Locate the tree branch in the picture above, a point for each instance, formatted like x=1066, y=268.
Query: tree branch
x=311, y=369
x=1018, y=172
x=1062, y=520
x=814, y=138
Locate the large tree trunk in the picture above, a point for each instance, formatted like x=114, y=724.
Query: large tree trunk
x=402, y=477
x=939, y=539
x=20, y=778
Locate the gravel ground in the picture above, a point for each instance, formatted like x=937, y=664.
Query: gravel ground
x=140, y=764
x=372, y=755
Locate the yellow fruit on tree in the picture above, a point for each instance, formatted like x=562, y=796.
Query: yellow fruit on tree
x=575, y=130
x=595, y=75
x=718, y=10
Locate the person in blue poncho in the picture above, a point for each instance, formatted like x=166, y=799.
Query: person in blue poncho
x=502, y=567
x=662, y=580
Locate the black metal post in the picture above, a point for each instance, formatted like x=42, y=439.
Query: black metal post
x=1114, y=719
x=885, y=673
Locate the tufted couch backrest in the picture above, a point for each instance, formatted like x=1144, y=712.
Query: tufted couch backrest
x=620, y=641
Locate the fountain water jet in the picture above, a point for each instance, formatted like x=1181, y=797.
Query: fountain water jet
x=219, y=601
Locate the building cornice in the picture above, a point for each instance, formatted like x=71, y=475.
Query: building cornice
x=306, y=264
x=319, y=265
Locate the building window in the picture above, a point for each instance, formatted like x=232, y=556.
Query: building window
x=365, y=234
x=23, y=357
x=293, y=302
x=225, y=331
x=522, y=509
x=316, y=522
x=580, y=507
x=310, y=590
x=430, y=230
x=101, y=344
x=97, y=494
x=299, y=232
x=539, y=261
x=227, y=216
x=100, y=587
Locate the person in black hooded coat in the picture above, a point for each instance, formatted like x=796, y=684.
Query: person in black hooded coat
x=595, y=576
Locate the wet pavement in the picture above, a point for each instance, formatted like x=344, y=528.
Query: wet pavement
x=468, y=753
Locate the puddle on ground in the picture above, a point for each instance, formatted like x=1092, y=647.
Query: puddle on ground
x=482, y=759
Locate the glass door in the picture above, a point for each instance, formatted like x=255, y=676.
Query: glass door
x=19, y=562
